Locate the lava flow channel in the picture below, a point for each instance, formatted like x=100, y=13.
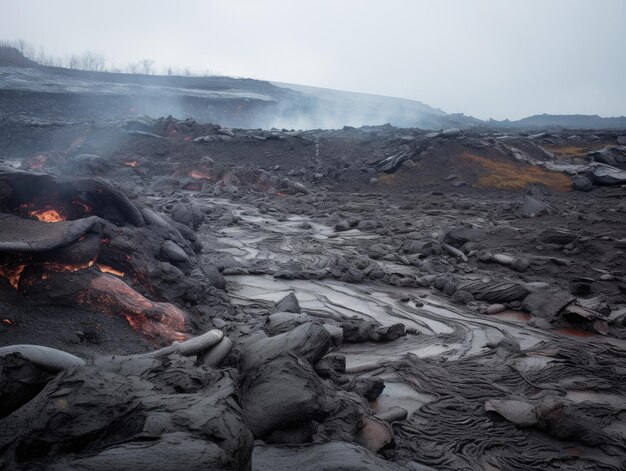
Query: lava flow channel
x=159, y=322
x=100, y=291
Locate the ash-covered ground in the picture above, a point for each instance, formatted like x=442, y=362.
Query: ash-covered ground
x=375, y=298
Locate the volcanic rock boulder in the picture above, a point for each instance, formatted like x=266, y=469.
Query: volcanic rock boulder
x=288, y=304
x=582, y=183
x=282, y=393
x=286, y=394
x=309, y=341
x=121, y=413
x=547, y=303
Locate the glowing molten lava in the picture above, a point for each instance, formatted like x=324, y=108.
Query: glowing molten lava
x=108, y=269
x=7, y=321
x=161, y=322
x=199, y=175
x=47, y=214
x=67, y=267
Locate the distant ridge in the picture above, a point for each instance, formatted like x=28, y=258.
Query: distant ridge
x=569, y=121
x=29, y=88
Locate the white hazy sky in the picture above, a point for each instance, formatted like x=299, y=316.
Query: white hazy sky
x=486, y=58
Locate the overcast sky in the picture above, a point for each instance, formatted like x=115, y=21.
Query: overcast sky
x=486, y=58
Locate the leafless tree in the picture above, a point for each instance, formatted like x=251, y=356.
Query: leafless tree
x=132, y=68
x=92, y=61
x=73, y=62
x=146, y=66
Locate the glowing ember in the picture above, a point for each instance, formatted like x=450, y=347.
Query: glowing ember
x=7, y=321
x=38, y=161
x=67, y=267
x=12, y=275
x=47, y=214
x=108, y=269
x=199, y=175
x=86, y=207
x=132, y=164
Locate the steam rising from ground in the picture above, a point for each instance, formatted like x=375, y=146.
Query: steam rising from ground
x=322, y=108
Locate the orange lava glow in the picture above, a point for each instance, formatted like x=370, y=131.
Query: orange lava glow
x=132, y=164
x=7, y=321
x=86, y=207
x=199, y=175
x=38, y=161
x=12, y=275
x=52, y=266
x=47, y=214
x=161, y=322
x=107, y=269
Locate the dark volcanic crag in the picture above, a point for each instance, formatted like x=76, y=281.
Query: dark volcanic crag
x=373, y=298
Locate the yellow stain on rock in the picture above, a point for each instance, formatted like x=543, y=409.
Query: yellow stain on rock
x=515, y=176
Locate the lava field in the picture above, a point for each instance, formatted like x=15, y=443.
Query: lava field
x=180, y=295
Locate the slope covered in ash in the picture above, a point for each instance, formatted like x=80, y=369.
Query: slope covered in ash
x=53, y=93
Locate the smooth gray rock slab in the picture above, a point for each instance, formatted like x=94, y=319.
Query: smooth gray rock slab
x=30, y=236
x=214, y=356
x=607, y=175
x=173, y=252
x=45, y=357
